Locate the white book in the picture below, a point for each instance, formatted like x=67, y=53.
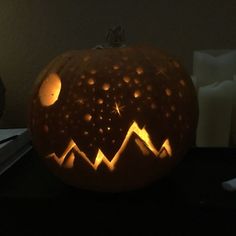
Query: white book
x=14, y=143
x=7, y=133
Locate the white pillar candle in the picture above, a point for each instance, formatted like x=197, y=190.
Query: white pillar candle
x=210, y=66
x=215, y=110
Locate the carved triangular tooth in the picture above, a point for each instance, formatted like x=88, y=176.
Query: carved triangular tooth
x=143, y=148
x=60, y=160
x=69, y=162
x=163, y=153
x=167, y=147
x=100, y=157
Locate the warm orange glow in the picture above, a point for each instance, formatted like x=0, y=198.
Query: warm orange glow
x=106, y=86
x=139, y=70
x=91, y=81
x=49, y=90
x=116, y=67
x=69, y=163
x=168, y=92
x=87, y=117
x=100, y=101
x=118, y=108
x=142, y=134
x=137, y=93
x=142, y=147
x=126, y=79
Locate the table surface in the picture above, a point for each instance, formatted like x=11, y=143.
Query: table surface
x=193, y=189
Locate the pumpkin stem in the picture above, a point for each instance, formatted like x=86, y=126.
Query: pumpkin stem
x=116, y=36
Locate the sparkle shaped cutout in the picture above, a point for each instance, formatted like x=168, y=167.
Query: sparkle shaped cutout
x=117, y=109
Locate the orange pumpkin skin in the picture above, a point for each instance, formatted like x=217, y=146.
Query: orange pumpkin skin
x=86, y=101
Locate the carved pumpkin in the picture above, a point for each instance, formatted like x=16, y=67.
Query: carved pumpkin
x=113, y=119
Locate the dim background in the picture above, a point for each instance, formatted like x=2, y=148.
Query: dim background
x=33, y=32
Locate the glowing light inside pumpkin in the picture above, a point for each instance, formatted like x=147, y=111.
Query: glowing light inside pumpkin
x=49, y=90
x=142, y=134
x=118, y=108
x=142, y=147
x=100, y=101
x=168, y=92
x=106, y=87
x=126, y=79
x=91, y=81
x=137, y=93
x=139, y=70
x=69, y=162
x=116, y=67
x=87, y=117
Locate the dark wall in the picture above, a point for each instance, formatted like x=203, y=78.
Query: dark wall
x=33, y=32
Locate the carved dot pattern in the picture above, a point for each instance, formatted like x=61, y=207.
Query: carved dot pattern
x=104, y=106
x=106, y=101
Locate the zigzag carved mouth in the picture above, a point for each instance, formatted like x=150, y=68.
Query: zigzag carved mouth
x=145, y=145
